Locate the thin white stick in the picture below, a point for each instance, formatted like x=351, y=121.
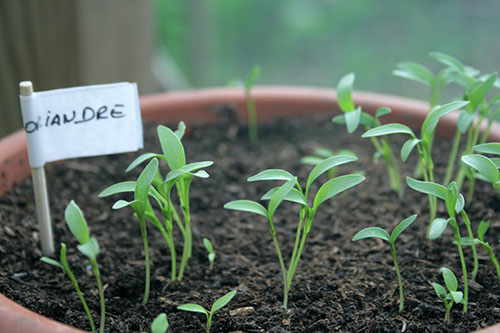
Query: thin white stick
x=40, y=189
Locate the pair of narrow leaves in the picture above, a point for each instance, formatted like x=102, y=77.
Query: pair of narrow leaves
x=377, y=232
x=288, y=192
x=218, y=304
x=78, y=226
x=452, y=284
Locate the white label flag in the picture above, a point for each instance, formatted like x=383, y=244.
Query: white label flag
x=82, y=121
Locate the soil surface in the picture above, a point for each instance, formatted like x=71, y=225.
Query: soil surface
x=340, y=286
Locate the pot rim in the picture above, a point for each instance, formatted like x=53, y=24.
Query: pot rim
x=200, y=105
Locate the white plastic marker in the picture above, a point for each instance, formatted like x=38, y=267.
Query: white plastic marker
x=76, y=122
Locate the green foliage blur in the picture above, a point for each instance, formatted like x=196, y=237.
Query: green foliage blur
x=305, y=42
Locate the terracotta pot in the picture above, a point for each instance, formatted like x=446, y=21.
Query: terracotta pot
x=198, y=106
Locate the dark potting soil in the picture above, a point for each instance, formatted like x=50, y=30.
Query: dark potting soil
x=340, y=286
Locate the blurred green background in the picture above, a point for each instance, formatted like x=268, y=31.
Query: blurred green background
x=304, y=42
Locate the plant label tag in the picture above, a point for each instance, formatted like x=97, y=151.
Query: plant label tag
x=82, y=121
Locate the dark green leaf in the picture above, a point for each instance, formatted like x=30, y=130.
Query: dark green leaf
x=76, y=222
x=407, y=148
x=401, y=227
x=449, y=279
x=221, y=302
x=427, y=187
x=437, y=228
x=335, y=186
x=344, y=93
x=280, y=195
x=271, y=174
x=372, y=232
x=388, y=129
x=247, y=206
x=352, y=120
x=172, y=147
x=483, y=165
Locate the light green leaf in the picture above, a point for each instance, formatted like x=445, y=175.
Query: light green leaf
x=221, y=302
x=144, y=182
x=459, y=206
x=488, y=148
x=457, y=296
x=433, y=117
x=437, y=228
x=326, y=165
x=481, y=230
x=122, y=187
x=76, y=222
x=365, y=119
x=324, y=152
x=193, y=308
x=294, y=196
x=122, y=203
x=372, y=232
x=280, y=195
x=344, y=93
x=427, y=187
x=413, y=71
x=335, y=186
x=483, y=165
x=407, y=148
x=352, y=120
x=401, y=227
x=172, y=148
x=247, y=206
x=196, y=166
x=448, y=60
x=160, y=324
x=181, y=130
x=252, y=76
x=51, y=262
x=466, y=81
x=200, y=174
x=382, y=112
x=208, y=245
x=388, y=129
x=211, y=257
x=465, y=241
x=449, y=279
x=144, y=157
x=312, y=160
x=464, y=120
x=479, y=93
x=89, y=249
x=440, y=291
x=451, y=198
x=271, y=174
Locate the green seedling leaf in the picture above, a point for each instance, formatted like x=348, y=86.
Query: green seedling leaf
x=344, y=93
x=181, y=130
x=144, y=182
x=479, y=93
x=271, y=174
x=488, y=148
x=327, y=164
x=280, y=195
x=449, y=279
x=211, y=256
x=121, y=203
x=312, y=160
x=427, y=187
x=221, y=302
x=433, y=117
x=465, y=118
x=200, y=174
x=196, y=166
x=76, y=222
x=252, y=77
x=437, y=228
x=382, y=112
x=465, y=241
x=208, y=245
x=372, y=232
x=466, y=81
x=247, y=206
x=51, y=262
x=172, y=148
x=483, y=165
x=401, y=227
x=144, y=157
x=160, y=324
x=407, y=148
x=365, y=119
x=388, y=129
x=460, y=204
x=448, y=61
x=89, y=249
x=451, y=198
x=294, y=196
x=352, y=120
x=457, y=296
x=481, y=230
x=335, y=186
x=413, y=71
x=122, y=187
x=324, y=152
x=193, y=308
x=440, y=291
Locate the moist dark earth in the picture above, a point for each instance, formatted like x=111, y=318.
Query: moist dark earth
x=340, y=286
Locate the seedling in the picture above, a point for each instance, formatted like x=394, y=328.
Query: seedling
x=423, y=144
x=159, y=324
x=455, y=203
x=154, y=185
x=211, y=253
x=376, y=232
x=292, y=191
x=452, y=295
x=320, y=154
x=218, y=304
x=481, y=230
x=353, y=117
x=487, y=168
x=90, y=248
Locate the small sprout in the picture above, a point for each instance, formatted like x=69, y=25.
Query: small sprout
x=218, y=304
x=452, y=295
x=211, y=253
x=159, y=324
x=486, y=167
x=320, y=154
x=90, y=248
x=376, y=232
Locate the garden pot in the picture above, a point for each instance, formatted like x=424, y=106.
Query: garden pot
x=198, y=106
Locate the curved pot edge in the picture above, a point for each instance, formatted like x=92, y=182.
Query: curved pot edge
x=198, y=105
